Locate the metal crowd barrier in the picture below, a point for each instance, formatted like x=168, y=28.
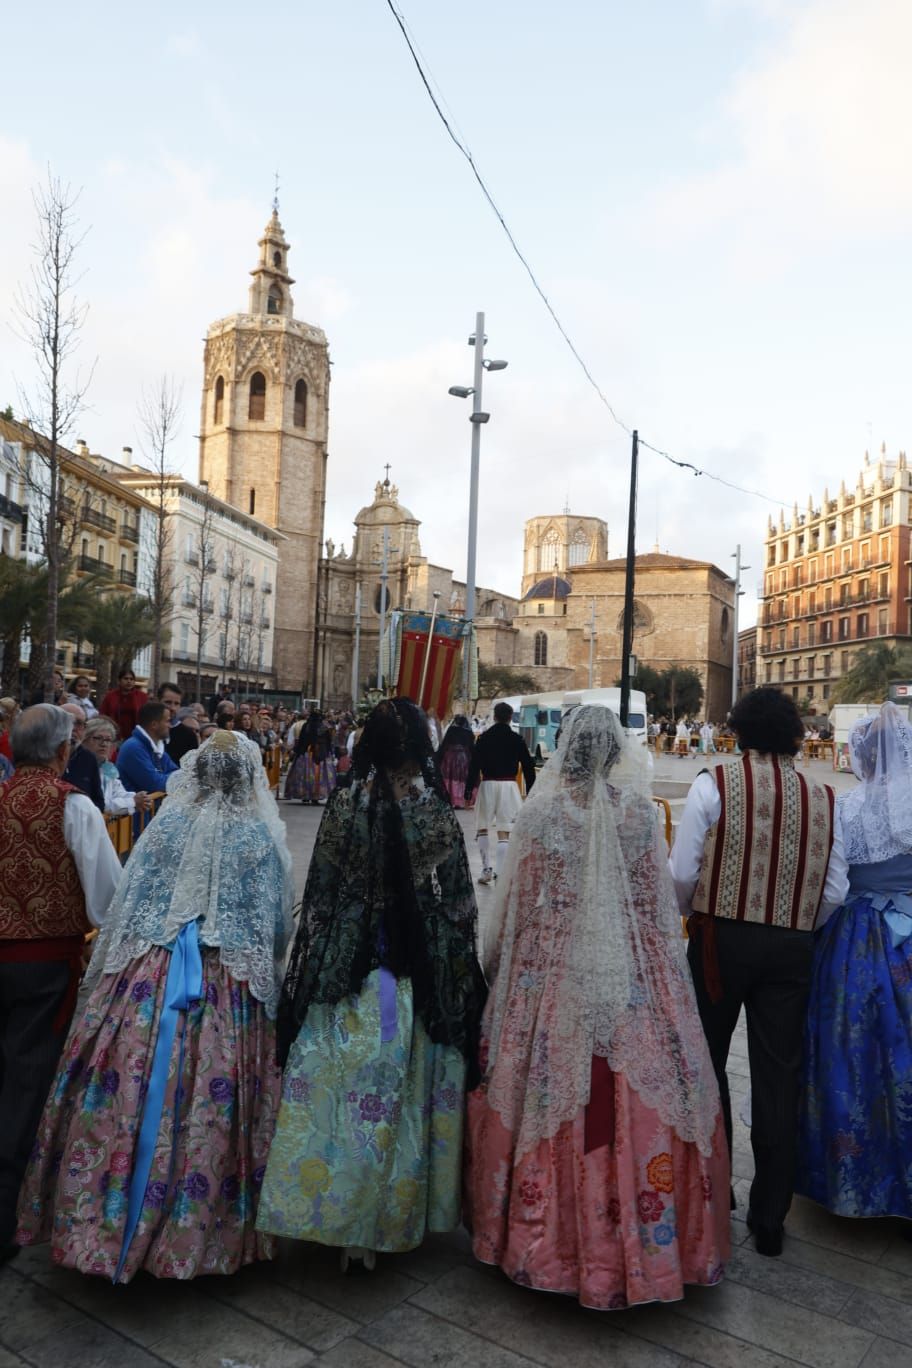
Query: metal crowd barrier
x=121, y=828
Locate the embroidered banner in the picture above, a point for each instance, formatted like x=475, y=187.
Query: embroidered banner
x=442, y=661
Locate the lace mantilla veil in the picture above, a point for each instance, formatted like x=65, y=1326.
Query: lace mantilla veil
x=215, y=853
x=591, y=958
x=877, y=816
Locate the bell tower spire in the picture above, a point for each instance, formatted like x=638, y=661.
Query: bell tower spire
x=270, y=292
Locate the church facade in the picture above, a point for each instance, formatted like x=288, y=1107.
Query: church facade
x=263, y=435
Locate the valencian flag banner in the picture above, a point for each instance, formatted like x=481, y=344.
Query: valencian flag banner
x=411, y=648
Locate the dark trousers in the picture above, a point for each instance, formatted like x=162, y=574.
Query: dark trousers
x=30, y=997
x=767, y=969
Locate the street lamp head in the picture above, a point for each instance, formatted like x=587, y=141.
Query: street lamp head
x=460, y=391
x=495, y=365
x=472, y=339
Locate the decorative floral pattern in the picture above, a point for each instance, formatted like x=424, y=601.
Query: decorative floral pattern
x=601, y=1226
x=76, y=1189
x=367, y=1149
x=856, y=1109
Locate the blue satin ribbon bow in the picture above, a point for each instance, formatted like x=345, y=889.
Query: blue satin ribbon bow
x=183, y=987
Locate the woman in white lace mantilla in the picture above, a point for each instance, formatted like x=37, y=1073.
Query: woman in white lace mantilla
x=596, y=1162
x=153, y=1143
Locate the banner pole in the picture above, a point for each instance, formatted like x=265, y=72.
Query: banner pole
x=427, y=651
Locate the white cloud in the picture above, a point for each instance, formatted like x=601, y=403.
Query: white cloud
x=823, y=135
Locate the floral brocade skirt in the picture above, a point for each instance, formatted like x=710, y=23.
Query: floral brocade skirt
x=310, y=780
x=855, y=1118
x=199, y=1210
x=629, y=1222
x=368, y=1146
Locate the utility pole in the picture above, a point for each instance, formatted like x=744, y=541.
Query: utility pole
x=592, y=644
x=478, y=417
x=739, y=592
x=627, y=644
x=356, y=657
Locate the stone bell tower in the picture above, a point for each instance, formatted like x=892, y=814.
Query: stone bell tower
x=263, y=434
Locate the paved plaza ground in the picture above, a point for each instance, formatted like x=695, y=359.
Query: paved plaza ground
x=839, y=1297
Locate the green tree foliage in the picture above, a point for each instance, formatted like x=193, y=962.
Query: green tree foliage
x=500, y=681
x=23, y=613
x=869, y=678
x=118, y=627
x=675, y=692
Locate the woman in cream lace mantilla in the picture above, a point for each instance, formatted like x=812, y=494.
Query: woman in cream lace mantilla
x=597, y=1163
x=154, y=1138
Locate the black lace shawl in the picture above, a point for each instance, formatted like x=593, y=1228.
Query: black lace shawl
x=389, y=884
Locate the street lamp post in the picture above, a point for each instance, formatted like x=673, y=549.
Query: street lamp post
x=476, y=418
x=739, y=593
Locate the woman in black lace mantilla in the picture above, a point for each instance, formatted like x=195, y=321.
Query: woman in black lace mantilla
x=380, y=1011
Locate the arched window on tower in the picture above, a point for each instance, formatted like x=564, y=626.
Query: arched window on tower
x=256, y=406
x=300, y=404
x=252, y=508
x=549, y=552
x=277, y=260
x=541, y=648
x=579, y=548
x=274, y=300
x=219, y=400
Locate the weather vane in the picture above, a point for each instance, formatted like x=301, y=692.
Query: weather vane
x=275, y=198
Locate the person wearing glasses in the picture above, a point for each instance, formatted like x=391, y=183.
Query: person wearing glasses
x=82, y=769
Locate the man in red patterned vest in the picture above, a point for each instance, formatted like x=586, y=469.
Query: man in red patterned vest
x=753, y=862
x=58, y=872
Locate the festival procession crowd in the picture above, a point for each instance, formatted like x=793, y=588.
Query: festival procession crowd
x=192, y=1067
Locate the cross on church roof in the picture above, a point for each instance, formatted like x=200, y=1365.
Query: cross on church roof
x=387, y=469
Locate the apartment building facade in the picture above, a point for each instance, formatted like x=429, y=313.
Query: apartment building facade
x=836, y=579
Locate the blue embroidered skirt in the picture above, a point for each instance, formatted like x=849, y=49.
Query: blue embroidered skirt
x=855, y=1125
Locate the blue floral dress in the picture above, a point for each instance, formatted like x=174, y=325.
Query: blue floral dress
x=368, y=1146
x=855, y=1138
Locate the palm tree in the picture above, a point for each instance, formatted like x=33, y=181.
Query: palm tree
x=869, y=678
x=23, y=612
x=118, y=626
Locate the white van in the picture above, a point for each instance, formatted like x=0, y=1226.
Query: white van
x=611, y=698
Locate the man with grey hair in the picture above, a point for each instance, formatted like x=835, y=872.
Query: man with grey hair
x=82, y=767
x=58, y=873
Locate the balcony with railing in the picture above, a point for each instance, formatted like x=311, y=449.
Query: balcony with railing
x=10, y=510
x=93, y=518
x=249, y=581
x=128, y=577
x=129, y=531
x=189, y=599
x=267, y=587
x=191, y=557
x=94, y=565
x=84, y=660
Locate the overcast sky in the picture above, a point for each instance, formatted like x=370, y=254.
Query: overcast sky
x=715, y=194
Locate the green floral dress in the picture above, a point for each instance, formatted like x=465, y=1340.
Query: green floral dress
x=368, y=1144
x=368, y=1147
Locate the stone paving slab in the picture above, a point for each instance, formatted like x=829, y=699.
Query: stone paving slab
x=839, y=1297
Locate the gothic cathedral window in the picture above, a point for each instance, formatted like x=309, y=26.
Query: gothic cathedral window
x=274, y=300
x=256, y=405
x=300, y=404
x=541, y=648
x=219, y=400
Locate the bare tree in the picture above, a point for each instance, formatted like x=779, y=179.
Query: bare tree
x=260, y=628
x=244, y=621
x=50, y=320
x=160, y=418
x=204, y=571
x=230, y=595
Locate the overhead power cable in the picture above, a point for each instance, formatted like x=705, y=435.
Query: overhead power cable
x=463, y=148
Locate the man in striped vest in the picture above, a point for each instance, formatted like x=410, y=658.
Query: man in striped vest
x=754, y=861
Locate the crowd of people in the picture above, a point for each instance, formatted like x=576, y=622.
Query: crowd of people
x=369, y=1072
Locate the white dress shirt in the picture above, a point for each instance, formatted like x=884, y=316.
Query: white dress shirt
x=87, y=840
x=702, y=810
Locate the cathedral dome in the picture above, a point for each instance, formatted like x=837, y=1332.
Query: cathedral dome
x=386, y=508
x=552, y=587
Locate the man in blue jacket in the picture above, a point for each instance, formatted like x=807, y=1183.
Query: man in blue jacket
x=143, y=763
